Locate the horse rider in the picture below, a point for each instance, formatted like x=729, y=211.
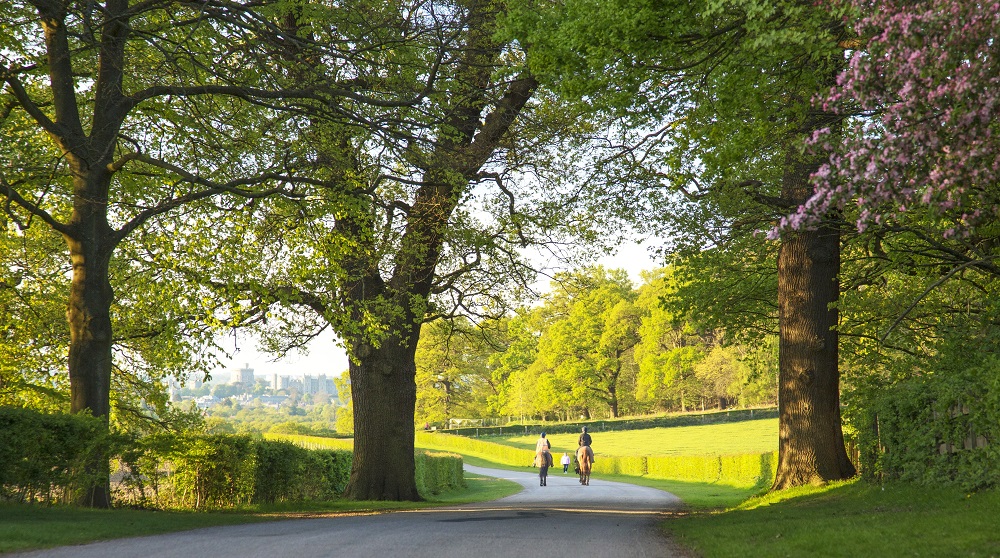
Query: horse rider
x=585, y=440
x=543, y=457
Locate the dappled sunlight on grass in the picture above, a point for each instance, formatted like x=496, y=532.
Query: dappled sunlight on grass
x=850, y=518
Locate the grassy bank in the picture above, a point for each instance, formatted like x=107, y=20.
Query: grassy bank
x=849, y=519
x=24, y=527
x=752, y=436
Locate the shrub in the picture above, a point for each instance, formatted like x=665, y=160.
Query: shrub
x=226, y=471
x=933, y=429
x=438, y=472
x=43, y=456
x=632, y=466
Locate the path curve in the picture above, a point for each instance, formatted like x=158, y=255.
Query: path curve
x=609, y=519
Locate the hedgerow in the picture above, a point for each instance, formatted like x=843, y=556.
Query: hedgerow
x=42, y=459
x=690, y=419
x=42, y=455
x=197, y=471
x=934, y=429
x=438, y=472
x=435, y=472
x=755, y=469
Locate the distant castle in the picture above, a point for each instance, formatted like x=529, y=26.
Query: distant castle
x=305, y=384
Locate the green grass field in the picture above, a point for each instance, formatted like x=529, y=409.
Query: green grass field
x=752, y=436
x=849, y=519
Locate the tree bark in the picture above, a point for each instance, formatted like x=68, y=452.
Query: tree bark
x=89, y=317
x=810, y=439
x=384, y=391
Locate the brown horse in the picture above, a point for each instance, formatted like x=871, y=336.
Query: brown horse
x=584, y=461
x=543, y=460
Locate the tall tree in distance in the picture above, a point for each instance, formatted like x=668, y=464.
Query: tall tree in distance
x=590, y=337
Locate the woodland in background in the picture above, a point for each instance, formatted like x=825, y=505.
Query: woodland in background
x=595, y=347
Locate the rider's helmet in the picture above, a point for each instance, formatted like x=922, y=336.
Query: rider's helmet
x=543, y=434
x=584, y=428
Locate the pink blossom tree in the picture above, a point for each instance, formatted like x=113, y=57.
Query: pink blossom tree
x=921, y=99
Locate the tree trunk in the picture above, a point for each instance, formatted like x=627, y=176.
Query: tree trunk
x=88, y=314
x=810, y=439
x=384, y=392
x=383, y=381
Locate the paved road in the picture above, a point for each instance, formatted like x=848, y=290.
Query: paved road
x=607, y=519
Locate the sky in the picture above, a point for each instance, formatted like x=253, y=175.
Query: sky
x=324, y=357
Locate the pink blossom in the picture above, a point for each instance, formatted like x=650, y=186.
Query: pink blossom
x=932, y=79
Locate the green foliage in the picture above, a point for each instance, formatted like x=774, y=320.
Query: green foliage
x=33, y=336
x=587, y=340
x=290, y=418
x=43, y=457
x=453, y=375
x=438, y=472
x=933, y=429
x=631, y=466
x=287, y=472
x=196, y=471
x=745, y=470
x=490, y=451
x=598, y=346
x=313, y=442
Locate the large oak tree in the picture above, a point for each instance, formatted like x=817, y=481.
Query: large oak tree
x=717, y=96
x=115, y=114
x=432, y=206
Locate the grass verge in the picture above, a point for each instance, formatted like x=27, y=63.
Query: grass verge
x=851, y=518
x=27, y=527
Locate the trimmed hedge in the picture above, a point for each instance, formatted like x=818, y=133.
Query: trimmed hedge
x=42, y=458
x=434, y=473
x=692, y=419
x=752, y=469
x=313, y=442
x=491, y=451
x=225, y=471
x=438, y=472
x=42, y=455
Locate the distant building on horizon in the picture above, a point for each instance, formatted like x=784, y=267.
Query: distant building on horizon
x=244, y=376
x=319, y=384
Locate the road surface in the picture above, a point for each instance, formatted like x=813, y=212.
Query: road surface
x=563, y=519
